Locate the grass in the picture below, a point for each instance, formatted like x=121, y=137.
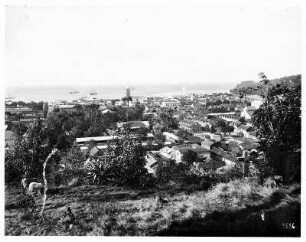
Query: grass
x=232, y=208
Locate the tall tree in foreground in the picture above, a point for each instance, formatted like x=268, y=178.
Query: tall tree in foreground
x=278, y=126
x=28, y=151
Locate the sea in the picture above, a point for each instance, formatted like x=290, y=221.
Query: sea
x=61, y=93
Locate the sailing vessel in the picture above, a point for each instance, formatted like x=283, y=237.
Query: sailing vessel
x=74, y=92
x=93, y=92
x=9, y=97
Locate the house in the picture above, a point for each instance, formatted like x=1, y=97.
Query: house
x=135, y=125
x=170, y=137
x=251, y=110
x=101, y=142
x=256, y=103
x=69, y=108
x=248, y=112
x=118, y=103
x=152, y=160
x=195, y=140
x=202, y=152
x=169, y=153
x=179, y=151
x=107, y=111
x=209, y=164
x=228, y=145
x=93, y=151
x=150, y=100
x=245, y=129
x=170, y=103
x=22, y=114
x=206, y=144
x=175, y=153
x=208, y=135
x=204, y=123
x=256, y=100
x=249, y=144
x=221, y=155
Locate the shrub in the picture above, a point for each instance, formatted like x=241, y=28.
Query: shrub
x=25, y=202
x=168, y=171
x=73, y=162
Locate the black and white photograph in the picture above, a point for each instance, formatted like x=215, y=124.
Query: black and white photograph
x=152, y=118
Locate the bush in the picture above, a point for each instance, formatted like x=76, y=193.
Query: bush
x=13, y=169
x=25, y=202
x=168, y=171
x=78, y=176
x=73, y=162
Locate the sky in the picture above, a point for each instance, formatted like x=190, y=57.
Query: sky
x=48, y=46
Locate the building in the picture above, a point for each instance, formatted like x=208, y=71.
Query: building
x=100, y=141
x=244, y=130
x=170, y=103
x=209, y=164
x=135, y=125
x=172, y=138
x=23, y=115
x=152, y=159
x=255, y=100
x=208, y=135
x=221, y=155
x=206, y=144
x=256, y=103
x=150, y=100
x=195, y=140
x=230, y=116
x=202, y=153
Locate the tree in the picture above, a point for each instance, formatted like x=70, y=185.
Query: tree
x=160, y=139
x=123, y=162
x=59, y=124
x=195, y=127
x=53, y=153
x=45, y=109
x=127, y=99
x=183, y=134
x=242, y=120
x=227, y=129
x=190, y=156
x=29, y=151
x=213, y=129
x=278, y=122
x=206, y=128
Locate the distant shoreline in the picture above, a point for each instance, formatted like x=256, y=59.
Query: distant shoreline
x=47, y=94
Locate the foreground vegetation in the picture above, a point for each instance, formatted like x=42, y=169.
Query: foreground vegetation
x=239, y=207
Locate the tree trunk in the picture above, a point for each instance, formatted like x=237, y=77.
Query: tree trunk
x=54, y=151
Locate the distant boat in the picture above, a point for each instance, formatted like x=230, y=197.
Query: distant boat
x=74, y=92
x=9, y=97
x=93, y=92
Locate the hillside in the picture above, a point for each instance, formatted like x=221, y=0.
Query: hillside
x=237, y=208
x=293, y=80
